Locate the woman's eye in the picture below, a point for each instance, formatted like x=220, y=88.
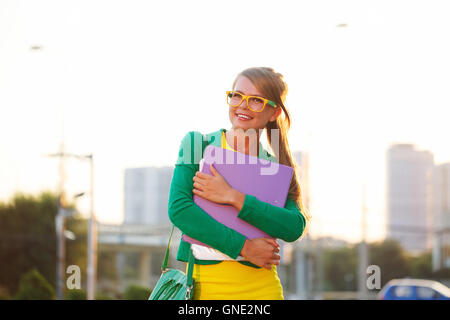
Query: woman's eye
x=256, y=100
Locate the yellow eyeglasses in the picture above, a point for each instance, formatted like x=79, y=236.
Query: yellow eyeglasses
x=254, y=103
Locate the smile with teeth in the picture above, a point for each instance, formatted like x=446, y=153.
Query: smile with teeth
x=243, y=116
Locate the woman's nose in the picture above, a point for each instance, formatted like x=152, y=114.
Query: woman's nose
x=243, y=104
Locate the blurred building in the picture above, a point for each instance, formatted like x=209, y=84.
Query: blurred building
x=146, y=195
x=302, y=159
x=410, y=196
x=138, y=244
x=296, y=265
x=441, y=223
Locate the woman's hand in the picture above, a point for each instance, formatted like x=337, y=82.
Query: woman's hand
x=213, y=187
x=262, y=252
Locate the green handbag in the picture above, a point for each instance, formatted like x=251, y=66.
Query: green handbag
x=174, y=284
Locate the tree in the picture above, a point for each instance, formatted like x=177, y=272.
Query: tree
x=420, y=266
x=103, y=296
x=76, y=294
x=391, y=258
x=33, y=286
x=135, y=292
x=340, y=269
x=28, y=238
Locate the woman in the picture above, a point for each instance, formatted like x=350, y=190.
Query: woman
x=238, y=268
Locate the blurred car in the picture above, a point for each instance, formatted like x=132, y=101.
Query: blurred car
x=414, y=289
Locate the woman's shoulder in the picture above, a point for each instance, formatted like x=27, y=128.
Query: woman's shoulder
x=193, y=134
x=191, y=137
x=192, y=144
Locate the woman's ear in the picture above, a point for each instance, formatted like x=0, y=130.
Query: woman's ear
x=276, y=114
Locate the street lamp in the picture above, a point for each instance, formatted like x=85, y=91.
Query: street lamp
x=92, y=227
x=61, y=234
x=92, y=234
x=92, y=240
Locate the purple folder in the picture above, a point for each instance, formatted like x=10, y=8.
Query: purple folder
x=266, y=180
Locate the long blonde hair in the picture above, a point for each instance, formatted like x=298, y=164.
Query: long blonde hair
x=273, y=87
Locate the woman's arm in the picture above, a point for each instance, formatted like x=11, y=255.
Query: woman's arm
x=187, y=215
x=286, y=223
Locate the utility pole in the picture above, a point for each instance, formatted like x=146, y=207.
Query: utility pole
x=92, y=228
x=63, y=213
x=60, y=228
x=363, y=257
x=60, y=251
x=320, y=269
x=301, y=271
x=92, y=240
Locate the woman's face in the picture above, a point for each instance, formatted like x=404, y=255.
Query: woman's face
x=258, y=120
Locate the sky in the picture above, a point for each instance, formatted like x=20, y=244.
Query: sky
x=125, y=80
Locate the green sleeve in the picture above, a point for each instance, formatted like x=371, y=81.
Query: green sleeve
x=286, y=223
x=185, y=214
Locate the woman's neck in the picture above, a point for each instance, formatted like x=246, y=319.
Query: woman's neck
x=244, y=141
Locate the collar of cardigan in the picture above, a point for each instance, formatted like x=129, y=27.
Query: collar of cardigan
x=215, y=139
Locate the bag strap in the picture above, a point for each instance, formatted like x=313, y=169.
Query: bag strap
x=166, y=255
x=191, y=260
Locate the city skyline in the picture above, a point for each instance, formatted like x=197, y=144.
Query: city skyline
x=410, y=196
x=123, y=90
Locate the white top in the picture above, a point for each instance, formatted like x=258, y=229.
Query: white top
x=205, y=253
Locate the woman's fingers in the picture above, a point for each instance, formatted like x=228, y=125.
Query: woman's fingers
x=272, y=242
x=274, y=260
x=263, y=252
x=268, y=265
x=198, y=186
x=198, y=180
x=202, y=175
x=198, y=192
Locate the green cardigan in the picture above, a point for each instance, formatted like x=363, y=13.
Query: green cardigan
x=286, y=223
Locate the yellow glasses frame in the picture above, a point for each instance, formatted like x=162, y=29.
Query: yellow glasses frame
x=245, y=97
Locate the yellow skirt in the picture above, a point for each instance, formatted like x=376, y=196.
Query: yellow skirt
x=231, y=280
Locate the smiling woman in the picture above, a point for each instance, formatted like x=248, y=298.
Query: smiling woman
x=235, y=267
